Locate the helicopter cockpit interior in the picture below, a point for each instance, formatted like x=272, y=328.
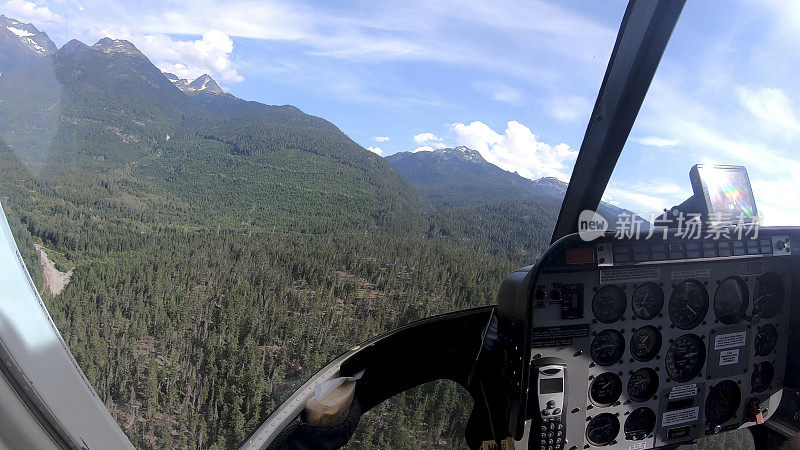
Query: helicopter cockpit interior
x=655, y=335
x=625, y=334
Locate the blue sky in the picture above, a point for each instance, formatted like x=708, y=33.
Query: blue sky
x=515, y=80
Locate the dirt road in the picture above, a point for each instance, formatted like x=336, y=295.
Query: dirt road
x=56, y=281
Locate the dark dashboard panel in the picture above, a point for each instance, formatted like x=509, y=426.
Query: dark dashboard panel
x=663, y=341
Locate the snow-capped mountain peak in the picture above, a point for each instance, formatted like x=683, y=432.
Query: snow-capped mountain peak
x=203, y=83
x=109, y=45
x=461, y=152
x=206, y=83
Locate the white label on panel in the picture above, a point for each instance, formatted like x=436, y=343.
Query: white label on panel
x=687, y=274
x=730, y=340
x=687, y=390
x=680, y=416
x=630, y=275
x=728, y=357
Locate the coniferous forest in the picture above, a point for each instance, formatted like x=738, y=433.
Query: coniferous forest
x=193, y=335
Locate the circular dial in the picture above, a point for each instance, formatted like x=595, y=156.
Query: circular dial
x=730, y=300
x=640, y=424
x=688, y=304
x=609, y=303
x=647, y=301
x=645, y=343
x=722, y=402
x=643, y=384
x=685, y=358
x=607, y=347
x=605, y=389
x=768, y=295
x=762, y=376
x=602, y=429
x=766, y=339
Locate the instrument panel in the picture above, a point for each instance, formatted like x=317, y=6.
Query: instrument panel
x=662, y=350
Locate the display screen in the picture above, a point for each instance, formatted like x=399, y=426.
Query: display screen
x=551, y=385
x=727, y=192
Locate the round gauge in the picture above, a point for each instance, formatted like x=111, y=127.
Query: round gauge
x=647, y=301
x=643, y=384
x=640, y=424
x=685, y=358
x=605, y=389
x=607, y=347
x=609, y=303
x=688, y=304
x=768, y=295
x=602, y=429
x=722, y=402
x=730, y=300
x=762, y=376
x=766, y=339
x=645, y=343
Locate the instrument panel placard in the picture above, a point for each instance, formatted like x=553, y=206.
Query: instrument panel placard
x=558, y=336
x=730, y=340
x=680, y=416
x=679, y=392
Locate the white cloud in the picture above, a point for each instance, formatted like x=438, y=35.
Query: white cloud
x=428, y=142
x=756, y=155
x=771, y=204
x=499, y=92
x=648, y=198
x=661, y=186
x=30, y=12
x=770, y=105
x=654, y=141
x=426, y=137
x=381, y=139
x=646, y=205
x=569, y=108
x=190, y=59
x=377, y=150
x=735, y=127
x=491, y=36
x=517, y=150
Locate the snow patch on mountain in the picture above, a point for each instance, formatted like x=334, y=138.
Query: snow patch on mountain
x=24, y=37
x=20, y=32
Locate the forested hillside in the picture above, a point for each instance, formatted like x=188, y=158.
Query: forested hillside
x=476, y=204
x=224, y=250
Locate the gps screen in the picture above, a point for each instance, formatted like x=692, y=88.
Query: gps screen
x=727, y=192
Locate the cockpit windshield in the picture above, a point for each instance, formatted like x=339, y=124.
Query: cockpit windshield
x=215, y=199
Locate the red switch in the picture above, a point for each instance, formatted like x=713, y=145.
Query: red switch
x=754, y=412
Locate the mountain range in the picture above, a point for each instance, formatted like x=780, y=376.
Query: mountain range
x=463, y=171
x=456, y=176
x=81, y=112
